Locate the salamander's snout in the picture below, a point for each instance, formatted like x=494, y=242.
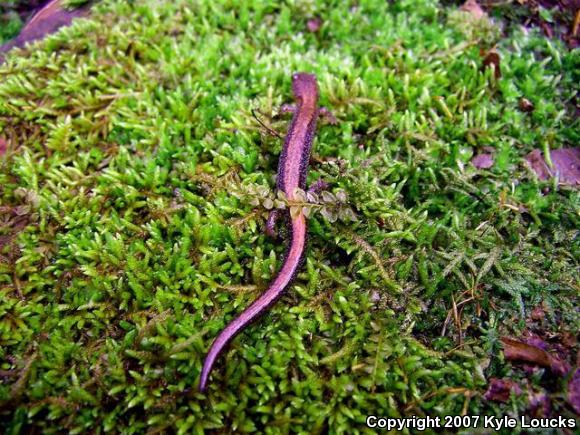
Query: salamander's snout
x=304, y=85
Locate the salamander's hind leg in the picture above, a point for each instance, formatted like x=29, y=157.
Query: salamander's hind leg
x=318, y=186
x=327, y=114
x=271, y=224
x=287, y=108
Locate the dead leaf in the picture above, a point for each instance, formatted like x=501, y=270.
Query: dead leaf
x=474, y=9
x=515, y=350
x=499, y=390
x=492, y=59
x=313, y=25
x=566, y=162
x=526, y=105
x=536, y=161
x=547, y=29
x=482, y=161
x=534, y=340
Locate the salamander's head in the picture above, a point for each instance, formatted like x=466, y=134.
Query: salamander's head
x=304, y=86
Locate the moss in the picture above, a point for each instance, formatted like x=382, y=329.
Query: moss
x=125, y=251
x=10, y=24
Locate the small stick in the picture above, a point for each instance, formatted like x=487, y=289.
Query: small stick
x=270, y=130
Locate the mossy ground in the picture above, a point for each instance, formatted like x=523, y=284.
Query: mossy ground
x=10, y=21
x=125, y=251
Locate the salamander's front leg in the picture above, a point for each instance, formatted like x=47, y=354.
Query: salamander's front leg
x=287, y=108
x=323, y=112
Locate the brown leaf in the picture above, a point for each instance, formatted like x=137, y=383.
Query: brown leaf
x=536, y=161
x=499, y=390
x=515, y=350
x=314, y=24
x=576, y=24
x=3, y=146
x=474, y=9
x=547, y=29
x=492, y=58
x=566, y=163
x=534, y=340
x=526, y=105
x=482, y=161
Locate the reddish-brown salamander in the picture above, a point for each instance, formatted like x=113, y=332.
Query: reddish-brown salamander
x=292, y=170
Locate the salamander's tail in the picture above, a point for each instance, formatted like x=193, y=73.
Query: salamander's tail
x=260, y=305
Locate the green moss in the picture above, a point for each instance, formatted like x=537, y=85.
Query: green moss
x=10, y=24
x=127, y=252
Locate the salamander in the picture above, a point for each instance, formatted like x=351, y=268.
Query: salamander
x=292, y=169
